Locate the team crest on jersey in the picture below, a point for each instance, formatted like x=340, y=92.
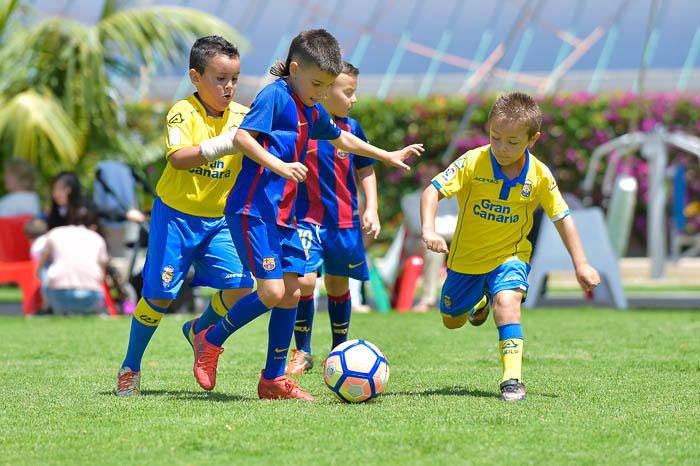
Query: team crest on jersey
x=167, y=275
x=342, y=155
x=268, y=263
x=527, y=189
x=447, y=301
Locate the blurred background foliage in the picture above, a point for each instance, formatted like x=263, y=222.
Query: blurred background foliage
x=574, y=125
x=61, y=103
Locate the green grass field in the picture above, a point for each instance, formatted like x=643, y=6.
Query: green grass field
x=604, y=387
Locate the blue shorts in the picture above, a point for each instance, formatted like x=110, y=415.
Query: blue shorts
x=340, y=250
x=266, y=249
x=177, y=241
x=462, y=291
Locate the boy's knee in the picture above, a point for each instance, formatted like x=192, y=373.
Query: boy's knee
x=290, y=298
x=453, y=322
x=307, y=284
x=271, y=293
x=506, y=307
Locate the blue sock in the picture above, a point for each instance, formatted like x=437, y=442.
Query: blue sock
x=304, y=323
x=143, y=325
x=339, y=312
x=279, y=336
x=212, y=314
x=247, y=309
x=507, y=331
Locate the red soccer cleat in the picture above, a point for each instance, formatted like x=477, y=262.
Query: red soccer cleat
x=206, y=358
x=281, y=388
x=300, y=362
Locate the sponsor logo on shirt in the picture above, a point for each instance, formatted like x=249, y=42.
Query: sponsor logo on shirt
x=495, y=212
x=176, y=119
x=213, y=170
x=450, y=173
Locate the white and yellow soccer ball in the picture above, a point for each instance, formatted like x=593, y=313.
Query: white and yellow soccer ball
x=356, y=371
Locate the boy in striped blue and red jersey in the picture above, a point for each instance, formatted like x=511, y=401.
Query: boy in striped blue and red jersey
x=260, y=209
x=329, y=224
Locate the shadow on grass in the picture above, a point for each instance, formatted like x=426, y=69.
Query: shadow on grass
x=445, y=391
x=460, y=391
x=189, y=395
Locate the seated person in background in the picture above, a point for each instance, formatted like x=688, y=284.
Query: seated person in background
x=19, y=183
x=78, y=258
x=445, y=223
x=66, y=200
x=35, y=230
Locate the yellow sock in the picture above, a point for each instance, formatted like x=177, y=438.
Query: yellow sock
x=217, y=304
x=511, y=350
x=147, y=314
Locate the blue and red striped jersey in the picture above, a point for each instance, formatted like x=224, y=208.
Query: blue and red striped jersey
x=328, y=197
x=284, y=125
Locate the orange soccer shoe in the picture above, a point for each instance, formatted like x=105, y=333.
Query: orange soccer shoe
x=300, y=362
x=206, y=358
x=281, y=388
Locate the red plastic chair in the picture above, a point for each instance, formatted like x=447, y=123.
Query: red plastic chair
x=16, y=265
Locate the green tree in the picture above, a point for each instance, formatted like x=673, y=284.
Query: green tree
x=60, y=106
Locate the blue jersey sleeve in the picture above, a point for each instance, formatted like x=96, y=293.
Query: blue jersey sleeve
x=324, y=128
x=357, y=160
x=266, y=107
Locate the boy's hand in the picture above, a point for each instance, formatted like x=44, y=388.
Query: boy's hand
x=587, y=277
x=293, y=171
x=434, y=242
x=370, y=223
x=397, y=157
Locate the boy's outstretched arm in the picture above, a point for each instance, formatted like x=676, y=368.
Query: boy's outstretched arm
x=428, y=208
x=370, y=217
x=586, y=275
x=245, y=141
x=351, y=143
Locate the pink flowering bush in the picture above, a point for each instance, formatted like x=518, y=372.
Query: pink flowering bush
x=574, y=125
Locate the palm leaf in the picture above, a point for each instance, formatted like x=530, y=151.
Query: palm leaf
x=35, y=126
x=161, y=34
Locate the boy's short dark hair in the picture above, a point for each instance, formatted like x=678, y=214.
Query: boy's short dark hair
x=23, y=171
x=517, y=107
x=312, y=47
x=349, y=68
x=35, y=227
x=85, y=215
x=206, y=48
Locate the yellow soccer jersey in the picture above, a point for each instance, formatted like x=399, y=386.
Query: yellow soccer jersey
x=495, y=212
x=199, y=191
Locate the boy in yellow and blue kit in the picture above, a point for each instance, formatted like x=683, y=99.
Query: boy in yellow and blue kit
x=188, y=227
x=498, y=187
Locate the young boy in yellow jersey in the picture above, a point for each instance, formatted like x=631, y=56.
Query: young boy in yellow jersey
x=188, y=226
x=498, y=187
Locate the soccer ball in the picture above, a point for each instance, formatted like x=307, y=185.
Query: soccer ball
x=356, y=371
